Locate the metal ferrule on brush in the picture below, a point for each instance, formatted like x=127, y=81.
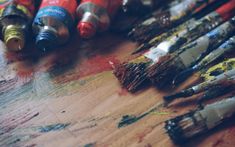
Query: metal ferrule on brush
x=184, y=127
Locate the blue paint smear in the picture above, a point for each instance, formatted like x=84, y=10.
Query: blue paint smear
x=54, y=127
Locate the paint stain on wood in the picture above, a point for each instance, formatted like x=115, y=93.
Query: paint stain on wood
x=148, y=145
x=142, y=135
x=13, y=122
x=123, y=92
x=130, y=119
x=97, y=64
x=218, y=143
x=90, y=144
x=91, y=66
x=85, y=127
x=53, y=127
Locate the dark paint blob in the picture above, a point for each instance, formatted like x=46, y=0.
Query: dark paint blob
x=90, y=145
x=54, y=127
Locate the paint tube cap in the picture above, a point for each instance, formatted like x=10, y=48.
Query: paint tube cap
x=86, y=30
x=46, y=39
x=14, y=37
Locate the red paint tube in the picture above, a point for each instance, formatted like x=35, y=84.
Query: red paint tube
x=95, y=16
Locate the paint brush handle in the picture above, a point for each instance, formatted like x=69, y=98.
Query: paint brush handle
x=227, y=10
x=223, y=78
x=202, y=26
x=215, y=92
x=194, y=51
x=158, y=24
x=221, y=50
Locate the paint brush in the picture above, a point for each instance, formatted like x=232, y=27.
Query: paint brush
x=140, y=7
x=199, y=28
x=190, y=30
x=226, y=47
x=182, y=128
x=159, y=38
x=215, y=92
x=218, y=69
x=133, y=74
x=162, y=73
x=226, y=78
x=173, y=16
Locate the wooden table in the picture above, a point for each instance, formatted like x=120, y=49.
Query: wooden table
x=70, y=98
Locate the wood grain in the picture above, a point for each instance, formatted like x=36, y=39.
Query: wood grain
x=70, y=98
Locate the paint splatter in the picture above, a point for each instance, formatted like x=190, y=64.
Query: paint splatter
x=96, y=64
x=130, y=119
x=90, y=145
x=54, y=127
x=86, y=127
x=148, y=145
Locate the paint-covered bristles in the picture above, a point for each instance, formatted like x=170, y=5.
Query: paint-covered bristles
x=131, y=75
x=182, y=128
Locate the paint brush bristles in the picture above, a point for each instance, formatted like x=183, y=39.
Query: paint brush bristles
x=132, y=74
x=184, y=127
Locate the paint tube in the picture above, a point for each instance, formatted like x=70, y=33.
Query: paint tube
x=162, y=22
x=192, y=32
x=184, y=127
x=226, y=47
x=54, y=22
x=226, y=78
x=164, y=71
x=16, y=18
x=95, y=16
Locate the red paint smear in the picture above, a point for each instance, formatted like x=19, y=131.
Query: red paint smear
x=97, y=65
x=123, y=92
x=25, y=73
x=91, y=66
x=142, y=135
